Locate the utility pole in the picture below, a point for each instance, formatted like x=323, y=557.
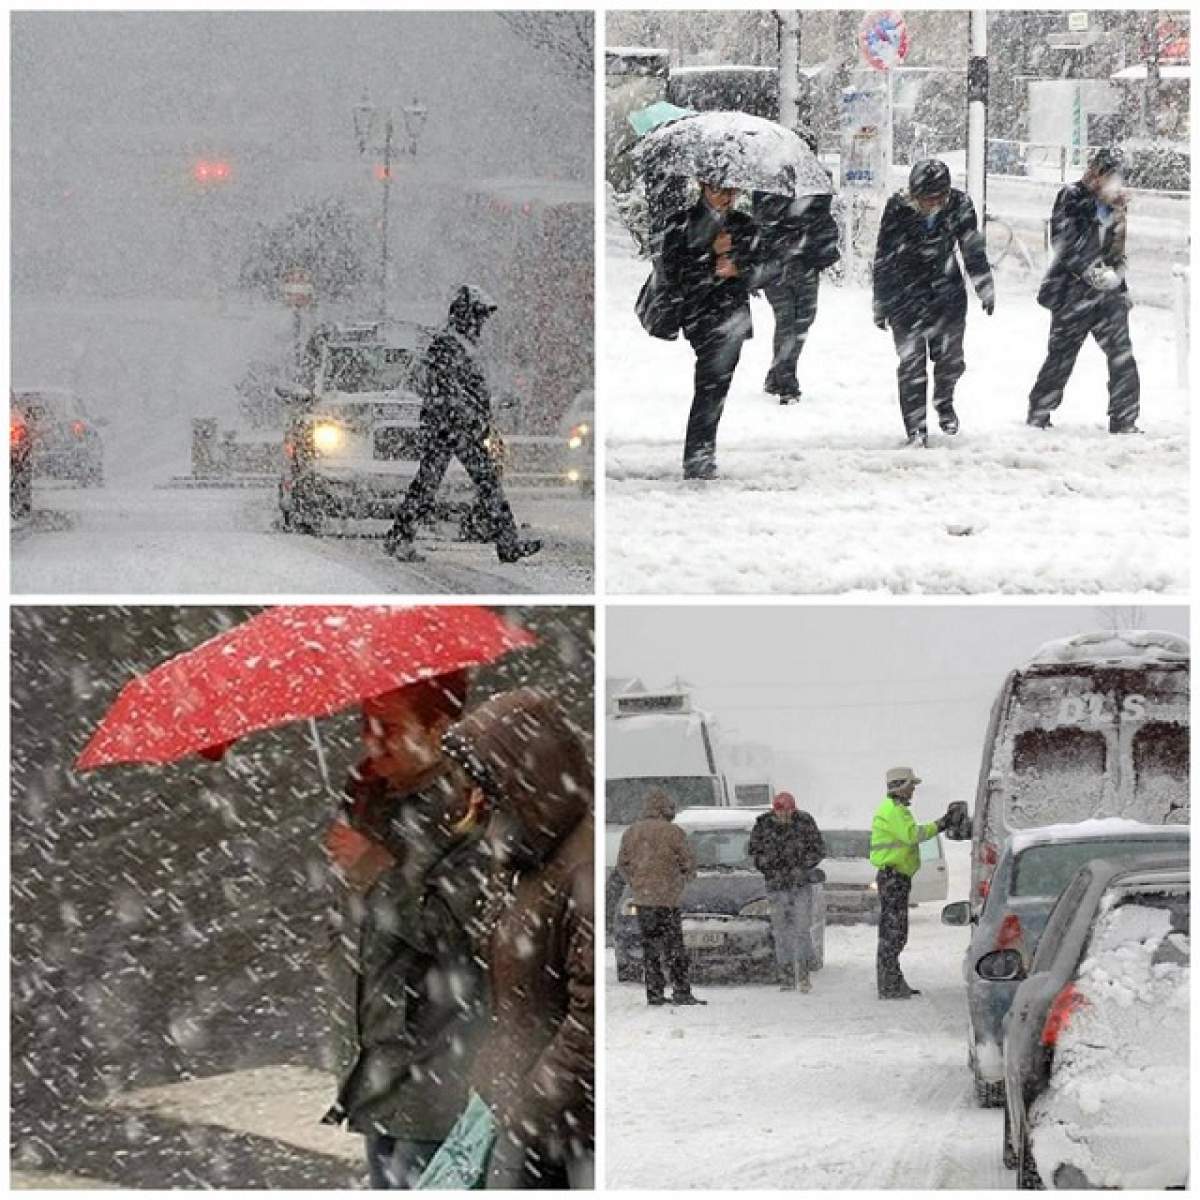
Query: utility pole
x=387, y=196
x=1153, y=74
x=977, y=102
x=790, y=102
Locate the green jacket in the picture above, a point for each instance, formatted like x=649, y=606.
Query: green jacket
x=895, y=836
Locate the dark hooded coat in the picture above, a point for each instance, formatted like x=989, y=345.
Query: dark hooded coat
x=536, y=1066
x=786, y=852
x=1079, y=242
x=452, y=383
x=655, y=858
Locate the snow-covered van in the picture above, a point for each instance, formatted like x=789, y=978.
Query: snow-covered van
x=1094, y=725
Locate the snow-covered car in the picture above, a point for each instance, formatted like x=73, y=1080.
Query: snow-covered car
x=354, y=445
x=1095, y=1050
x=851, y=894
x=726, y=916
x=1095, y=725
x=64, y=437
x=577, y=431
x=1034, y=868
x=20, y=463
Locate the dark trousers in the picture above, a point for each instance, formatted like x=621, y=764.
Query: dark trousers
x=894, y=889
x=718, y=348
x=442, y=444
x=662, y=943
x=942, y=345
x=794, y=304
x=395, y=1164
x=1108, y=323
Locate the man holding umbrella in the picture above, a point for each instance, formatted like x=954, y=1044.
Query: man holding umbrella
x=920, y=293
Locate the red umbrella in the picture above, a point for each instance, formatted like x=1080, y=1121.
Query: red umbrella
x=286, y=664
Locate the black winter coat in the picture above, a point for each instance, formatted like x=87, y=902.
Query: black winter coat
x=454, y=387
x=917, y=278
x=795, y=236
x=786, y=852
x=1078, y=242
x=689, y=268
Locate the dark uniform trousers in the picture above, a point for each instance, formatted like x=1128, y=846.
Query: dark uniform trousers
x=443, y=443
x=1108, y=322
x=717, y=348
x=662, y=944
x=795, y=307
x=943, y=346
x=894, y=889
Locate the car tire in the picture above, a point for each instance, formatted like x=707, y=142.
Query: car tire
x=1028, y=1179
x=987, y=1093
x=1008, y=1154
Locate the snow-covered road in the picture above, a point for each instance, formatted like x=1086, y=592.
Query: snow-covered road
x=822, y=497
x=153, y=541
x=836, y=1089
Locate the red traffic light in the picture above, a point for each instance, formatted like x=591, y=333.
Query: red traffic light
x=382, y=172
x=208, y=170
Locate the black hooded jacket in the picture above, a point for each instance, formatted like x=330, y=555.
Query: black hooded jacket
x=1079, y=243
x=786, y=852
x=455, y=389
x=795, y=236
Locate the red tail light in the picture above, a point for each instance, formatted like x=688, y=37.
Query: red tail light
x=1010, y=935
x=16, y=432
x=988, y=855
x=78, y=428
x=984, y=887
x=1066, y=1004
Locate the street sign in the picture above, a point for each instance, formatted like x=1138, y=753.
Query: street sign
x=298, y=288
x=864, y=123
x=1077, y=22
x=883, y=39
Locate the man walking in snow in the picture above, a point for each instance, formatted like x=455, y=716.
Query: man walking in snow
x=657, y=863
x=920, y=293
x=798, y=239
x=709, y=262
x=1085, y=291
x=786, y=847
x=895, y=853
x=456, y=419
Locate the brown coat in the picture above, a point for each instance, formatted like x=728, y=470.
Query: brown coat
x=536, y=1066
x=655, y=858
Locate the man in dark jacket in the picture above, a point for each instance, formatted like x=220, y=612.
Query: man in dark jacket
x=709, y=261
x=786, y=847
x=456, y=419
x=410, y=997
x=1085, y=291
x=920, y=293
x=798, y=239
x=657, y=863
x=535, y=1069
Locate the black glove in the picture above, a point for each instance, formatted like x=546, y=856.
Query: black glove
x=942, y=822
x=989, y=305
x=880, y=321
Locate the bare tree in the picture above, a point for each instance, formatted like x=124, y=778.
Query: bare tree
x=1118, y=619
x=566, y=37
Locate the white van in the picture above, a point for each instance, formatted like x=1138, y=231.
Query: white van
x=1094, y=725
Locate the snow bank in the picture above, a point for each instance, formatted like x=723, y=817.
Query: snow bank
x=1117, y=1104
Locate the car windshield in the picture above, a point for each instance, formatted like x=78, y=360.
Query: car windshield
x=368, y=368
x=847, y=843
x=624, y=799
x=1046, y=870
x=721, y=848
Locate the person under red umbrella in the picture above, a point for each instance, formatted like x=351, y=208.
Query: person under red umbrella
x=409, y=989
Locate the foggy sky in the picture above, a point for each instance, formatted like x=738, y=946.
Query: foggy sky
x=844, y=693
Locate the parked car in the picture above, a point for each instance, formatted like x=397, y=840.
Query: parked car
x=1095, y=725
x=1034, y=868
x=726, y=917
x=577, y=430
x=851, y=896
x=64, y=437
x=20, y=463
x=353, y=443
x=1095, y=1050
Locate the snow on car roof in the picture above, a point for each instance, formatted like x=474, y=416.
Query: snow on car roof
x=1096, y=829
x=700, y=818
x=1145, y=645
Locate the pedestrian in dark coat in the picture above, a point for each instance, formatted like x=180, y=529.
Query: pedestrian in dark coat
x=919, y=290
x=709, y=260
x=535, y=1069
x=1085, y=291
x=787, y=847
x=456, y=420
x=798, y=239
x=657, y=863
x=410, y=1001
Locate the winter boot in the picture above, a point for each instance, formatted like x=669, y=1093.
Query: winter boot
x=656, y=1001
x=770, y=386
x=1036, y=422
x=803, y=983
x=512, y=552
x=948, y=420
x=401, y=551
x=917, y=440
x=1124, y=429
x=787, y=980
x=706, y=469
x=686, y=998
x=791, y=396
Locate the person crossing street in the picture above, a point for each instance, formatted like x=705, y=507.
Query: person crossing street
x=895, y=853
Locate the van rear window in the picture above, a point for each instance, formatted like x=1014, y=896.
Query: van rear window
x=1060, y=776
x=1160, y=764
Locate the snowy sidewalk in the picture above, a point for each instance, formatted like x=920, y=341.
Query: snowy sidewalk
x=821, y=497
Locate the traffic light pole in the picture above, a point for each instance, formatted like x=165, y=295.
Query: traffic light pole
x=387, y=194
x=977, y=98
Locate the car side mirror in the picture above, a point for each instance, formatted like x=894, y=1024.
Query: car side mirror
x=958, y=913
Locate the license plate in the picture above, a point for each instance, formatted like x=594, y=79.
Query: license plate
x=704, y=939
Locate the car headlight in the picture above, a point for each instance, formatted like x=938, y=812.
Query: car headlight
x=629, y=909
x=572, y=476
x=327, y=436
x=756, y=908
x=574, y=442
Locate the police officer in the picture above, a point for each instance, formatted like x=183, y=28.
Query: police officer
x=919, y=290
x=1085, y=291
x=455, y=421
x=895, y=838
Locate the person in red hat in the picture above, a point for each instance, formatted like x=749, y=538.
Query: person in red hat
x=786, y=847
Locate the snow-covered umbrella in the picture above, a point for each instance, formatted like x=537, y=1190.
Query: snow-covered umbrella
x=644, y=120
x=733, y=149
